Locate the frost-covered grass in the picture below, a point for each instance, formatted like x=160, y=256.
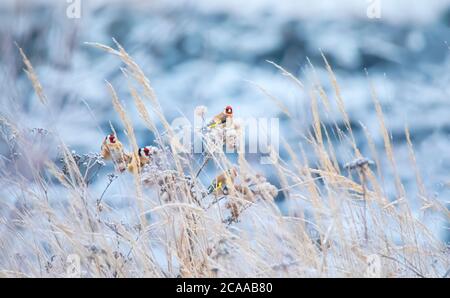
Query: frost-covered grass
x=337, y=220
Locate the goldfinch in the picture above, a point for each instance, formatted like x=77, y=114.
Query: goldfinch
x=222, y=183
x=222, y=117
x=112, y=149
x=144, y=154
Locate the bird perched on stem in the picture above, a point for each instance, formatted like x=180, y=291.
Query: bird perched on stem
x=222, y=117
x=112, y=149
x=223, y=182
x=144, y=155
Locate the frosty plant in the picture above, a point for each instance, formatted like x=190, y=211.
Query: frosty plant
x=159, y=214
x=360, y=165
x=373, y=9
x=73, y=266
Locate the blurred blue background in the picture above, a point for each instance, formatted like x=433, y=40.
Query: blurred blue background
x=207, y=53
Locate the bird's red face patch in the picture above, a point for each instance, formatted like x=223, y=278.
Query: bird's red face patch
x=112, y=139
x=146, y=151
x=229, y=110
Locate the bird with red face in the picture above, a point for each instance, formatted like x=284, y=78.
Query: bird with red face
x=112, y=149
x=144, y=155
x=222, y=117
